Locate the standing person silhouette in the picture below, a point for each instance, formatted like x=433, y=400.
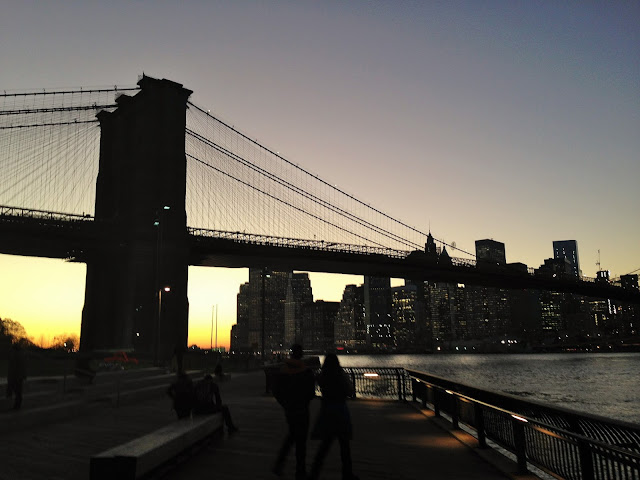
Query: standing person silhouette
x=17, y=372
x=294, y=388
x=333, y=419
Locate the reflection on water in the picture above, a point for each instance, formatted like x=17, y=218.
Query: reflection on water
x=602, y=384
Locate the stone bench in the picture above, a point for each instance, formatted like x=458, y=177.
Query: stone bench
x=138, y=457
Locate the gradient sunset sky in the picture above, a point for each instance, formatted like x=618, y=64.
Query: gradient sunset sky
x=517, y=121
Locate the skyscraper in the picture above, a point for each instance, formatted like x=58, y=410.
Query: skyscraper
x=319, y=323
x=490, y=305
x=405, y=317
x=377, y=307
x=350, y=330
x=299, y=295
x=490, y=251
x=568, y=249
x=261, y=298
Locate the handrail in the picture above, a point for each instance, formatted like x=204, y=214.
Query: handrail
x=564, y=443
x=21, y=212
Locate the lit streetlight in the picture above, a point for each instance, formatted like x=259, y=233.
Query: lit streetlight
x=165, y=289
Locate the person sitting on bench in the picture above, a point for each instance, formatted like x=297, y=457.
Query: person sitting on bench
x=208, y=400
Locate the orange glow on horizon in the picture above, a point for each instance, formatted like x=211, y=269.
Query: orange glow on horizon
x=46, y=297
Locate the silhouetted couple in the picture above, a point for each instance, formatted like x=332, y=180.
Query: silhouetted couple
x=201, y=398
x=295, y=387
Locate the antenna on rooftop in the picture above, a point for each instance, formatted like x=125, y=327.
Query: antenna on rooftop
x=598, y=262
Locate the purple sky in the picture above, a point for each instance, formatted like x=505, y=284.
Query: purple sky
x=517, y=121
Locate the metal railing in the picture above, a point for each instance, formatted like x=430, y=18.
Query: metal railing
x=15, y=213
x=368, y=382
x=564, y=443
x=379, y=382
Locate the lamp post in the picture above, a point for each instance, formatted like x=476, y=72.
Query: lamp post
x=166, y=289
x=158, y=223
x=262, y=311
x=211, y=339
x=214, y=307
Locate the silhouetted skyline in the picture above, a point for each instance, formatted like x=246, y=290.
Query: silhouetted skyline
x=516, y=123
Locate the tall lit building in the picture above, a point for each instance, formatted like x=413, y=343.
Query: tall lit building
x=568, y=249
x=489, y=250
x=262, y=298
x=350, y=331
x=299, y=295
x=240, y=331
x=490, y=306
x=377, y=307
x=404, y=316
x=319, y=322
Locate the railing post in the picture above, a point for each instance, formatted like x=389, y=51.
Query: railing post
x=436, y=401
x=404, y=385
x=520, y=445
x=482, y=437
x=414, y=387
x=399, y=385
x=353, y=380
x=454, y=411
x=586, y=460
x=423, y=392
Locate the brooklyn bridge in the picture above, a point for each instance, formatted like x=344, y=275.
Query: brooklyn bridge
x=140, y=183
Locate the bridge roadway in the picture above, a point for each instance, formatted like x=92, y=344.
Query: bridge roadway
x=77, y=237
x=392, y=440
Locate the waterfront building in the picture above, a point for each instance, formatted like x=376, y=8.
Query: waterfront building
x=551, y=320
x=568, y=249
x=404, y=315
x=240, y=331
x=265, y=289
x=430, y=248
x=299, y=295
x=552, y=267
x=629, y=282
x=377, y=307
x=441, y=310
x=350, y=331
x=423, y=333
x=319, y=322
x=275, y=294
x=488, y=251
x=491, y=315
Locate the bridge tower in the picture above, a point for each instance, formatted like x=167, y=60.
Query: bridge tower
x=136, y=287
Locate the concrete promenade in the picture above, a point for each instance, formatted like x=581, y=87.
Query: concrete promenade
x=392, y=440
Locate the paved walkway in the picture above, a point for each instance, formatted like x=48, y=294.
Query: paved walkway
x=392, y=440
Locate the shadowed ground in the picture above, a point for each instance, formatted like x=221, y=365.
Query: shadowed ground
x=392, y=440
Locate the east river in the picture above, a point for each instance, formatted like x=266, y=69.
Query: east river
x=604, y=384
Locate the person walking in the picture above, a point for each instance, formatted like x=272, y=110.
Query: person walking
x=208, y=400
x=294, y=388
x=16, y=374
x=334, y=420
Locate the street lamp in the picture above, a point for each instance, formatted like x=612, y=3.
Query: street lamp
x=165, y=289
x=158, y=223
x=214, y=307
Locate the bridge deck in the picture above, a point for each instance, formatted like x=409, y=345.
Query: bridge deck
x=391, y=440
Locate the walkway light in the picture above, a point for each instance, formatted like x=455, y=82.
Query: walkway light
x=522, y=419
x=371, y=375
